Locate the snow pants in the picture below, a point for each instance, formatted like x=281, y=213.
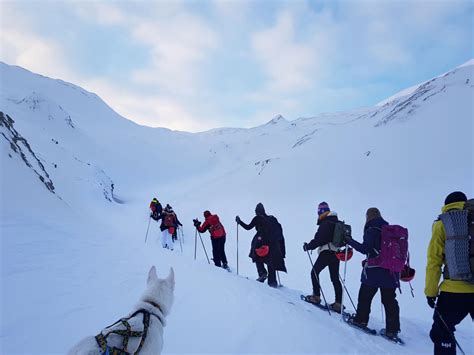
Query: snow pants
x=453, y=307
x=327, y=258
x=389, y=301
x=272, y=279
x=218, y=251
x=167, y=240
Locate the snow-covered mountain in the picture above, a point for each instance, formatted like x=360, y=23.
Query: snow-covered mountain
x=77, y=179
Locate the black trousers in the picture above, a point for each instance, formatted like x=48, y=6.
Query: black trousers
x=272, y=279
x=389, y=301
x=453, y=307
x=218, y=251
x=327, y=258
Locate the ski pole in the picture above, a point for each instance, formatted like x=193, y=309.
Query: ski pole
x=317, y=279
x=278, y=275
x=381, y=308
x=205, y=252
x=447, y=328
x=347, y=292
x=180, y=244
x=195, y=243
x=342, y=296
x=182, y=233
x=237, y=248
x=147, y=228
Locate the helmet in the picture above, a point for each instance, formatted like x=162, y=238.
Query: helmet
x=341, y=254
x=407, y=274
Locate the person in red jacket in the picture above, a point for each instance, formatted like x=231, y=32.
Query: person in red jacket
x=217, y=231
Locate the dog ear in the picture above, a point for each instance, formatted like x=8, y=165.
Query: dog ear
x=152, y=275
x=170, y=278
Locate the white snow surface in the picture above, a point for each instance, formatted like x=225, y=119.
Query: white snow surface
x=74, y=260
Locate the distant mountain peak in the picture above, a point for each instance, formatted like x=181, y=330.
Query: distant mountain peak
x=277, y=119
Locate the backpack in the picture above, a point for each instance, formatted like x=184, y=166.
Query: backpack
x=156, y=209
x=459, y=247
x=169, y=219
x=393, y=253
x=215, y=227
x=341, y=230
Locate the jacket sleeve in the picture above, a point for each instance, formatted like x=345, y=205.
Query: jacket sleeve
x=249, y=226
x=203, y=227
x=435, y=260
x=318, y=239
x=368, y=243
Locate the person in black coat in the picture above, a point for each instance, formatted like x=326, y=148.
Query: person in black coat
x=327, y=256
x=375, y=278
x=269, y=233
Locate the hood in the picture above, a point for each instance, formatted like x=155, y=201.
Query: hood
x=453, y=206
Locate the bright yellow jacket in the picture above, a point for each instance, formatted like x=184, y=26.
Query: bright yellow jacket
x=436, y=261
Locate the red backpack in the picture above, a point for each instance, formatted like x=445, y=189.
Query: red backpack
x=169, y=219
x=393, y=249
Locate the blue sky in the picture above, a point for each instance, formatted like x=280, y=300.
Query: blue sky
x=195, y=65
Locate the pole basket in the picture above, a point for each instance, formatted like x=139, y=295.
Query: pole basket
x=341, y=254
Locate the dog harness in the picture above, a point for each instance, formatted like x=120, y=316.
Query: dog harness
x=126, y=333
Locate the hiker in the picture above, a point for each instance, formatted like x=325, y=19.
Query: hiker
x=327, y=256
x=156, y=209
x=268, y=245
x=374, y=278
x=169, y=224
x=217, y=232
x=453, y=299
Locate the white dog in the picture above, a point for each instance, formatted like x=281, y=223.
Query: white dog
x=143, y=326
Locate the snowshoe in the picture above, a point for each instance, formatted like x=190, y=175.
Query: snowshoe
x=361, y=326
x=393, y=337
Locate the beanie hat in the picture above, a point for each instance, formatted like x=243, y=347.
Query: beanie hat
x=259, y=209
x=323, y=207
x=456, y=196
x=206, y=213
x=372, y=213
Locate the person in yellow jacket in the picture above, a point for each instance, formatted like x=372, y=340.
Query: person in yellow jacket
x=451, y=300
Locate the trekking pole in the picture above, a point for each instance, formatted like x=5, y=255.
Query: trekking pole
x=195, y=243
x=147, y=228
x=180, y=244
x=449, y=330
x=317, y=279
x=347, y=292
x=381, y=309
x=344, y=282
x=237, y=248
x=205, y=252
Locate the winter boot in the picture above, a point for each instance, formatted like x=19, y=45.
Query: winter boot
x=273, y=284
x=225, y=266
x=336, y=307
x=313, y=299
x=262, y=277
x=352, y=320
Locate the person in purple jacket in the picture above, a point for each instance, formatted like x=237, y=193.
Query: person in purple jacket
x=376, y=278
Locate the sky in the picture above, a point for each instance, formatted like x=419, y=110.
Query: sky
x=195, y=65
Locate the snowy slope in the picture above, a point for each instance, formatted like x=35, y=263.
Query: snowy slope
x=76, y=261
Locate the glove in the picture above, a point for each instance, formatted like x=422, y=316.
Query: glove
x=347, y=238
x=305, y=246
x=431, y=301
x=196, y=223
x=237, y=219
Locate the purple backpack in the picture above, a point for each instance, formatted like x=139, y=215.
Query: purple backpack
x=393, y=249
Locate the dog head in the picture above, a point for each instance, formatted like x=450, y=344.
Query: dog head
x=160, y=291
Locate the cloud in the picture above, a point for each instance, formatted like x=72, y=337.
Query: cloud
x=286, y=61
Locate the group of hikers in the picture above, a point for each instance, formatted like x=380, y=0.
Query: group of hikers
x=450, y=254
